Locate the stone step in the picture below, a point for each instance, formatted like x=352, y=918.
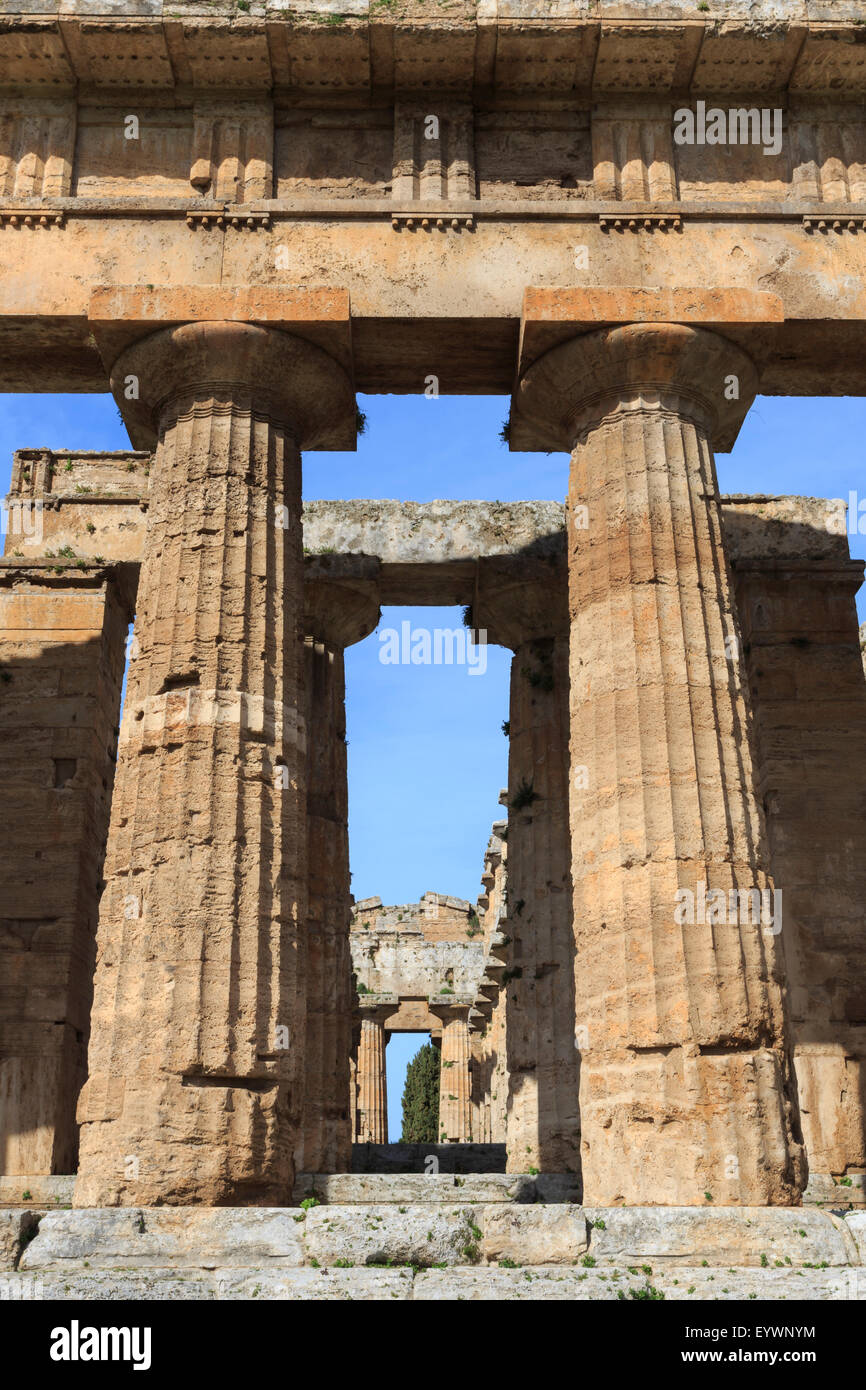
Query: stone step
x=54, y=1191
x=490, y=1251
x=842, y=1194
x=413, y=1158
x=437, y=1234
x=547, y=1283
x=353, y=1189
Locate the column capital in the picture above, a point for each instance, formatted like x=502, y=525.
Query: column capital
x=341, y=598
x=521, y=598
x=287, y=379
x=449, y=1008
x=648, y=367
x=375, y=1008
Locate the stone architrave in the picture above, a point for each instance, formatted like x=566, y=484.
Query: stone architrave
x=522, y=602
x=686, y=1082
x=196, y=1054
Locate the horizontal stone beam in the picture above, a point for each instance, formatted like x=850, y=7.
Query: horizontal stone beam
x=455, y=313
x=89, y=509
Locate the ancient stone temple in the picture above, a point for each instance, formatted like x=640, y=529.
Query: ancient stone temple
x=632, y=219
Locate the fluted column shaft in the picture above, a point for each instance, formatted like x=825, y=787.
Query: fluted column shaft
x=198, y=1025
x=686, y=1085
x=327, y=1137
x=372, y=1090
x=524, y=606
x=338, y=613
x=455, y=1086
x=543, y=1127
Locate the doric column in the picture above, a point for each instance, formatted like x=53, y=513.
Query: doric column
x=372, y=1090
x=524, y=606
x=455, y=1084
x=196, y=1050
x=686, y=1085
x=341, y=606
x=800, y=634
x=62, y=641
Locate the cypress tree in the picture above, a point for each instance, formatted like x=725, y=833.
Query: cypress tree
x=421, y=1098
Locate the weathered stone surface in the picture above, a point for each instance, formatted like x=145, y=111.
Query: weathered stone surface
x=258, y=1284
x=62, y=643
x=855, y=1222
x=327, y=1285
x=410, y=1158
x=531, y=1236
x=108, y=1286
x=335, y=616
x=190, y=1237
x=721, y=1236
x=556, y=1284
x=418, y=1235
x=546, y=116
x=524, y=607
x=371, y=1110
x=194, y=1090
x=419, y=1188
x=685, y=1083
x=799, y=628
x=305, y=239
x=823, y=1190
x=455, y=1087
x=16, y=1229
x=37, y=1190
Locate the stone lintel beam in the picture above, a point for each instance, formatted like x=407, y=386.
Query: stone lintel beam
x=428, y=553
x=413, y=1016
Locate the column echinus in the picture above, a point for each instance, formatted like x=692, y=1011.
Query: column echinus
x=686, y=1087
x=196, y=1051
x=341, y=602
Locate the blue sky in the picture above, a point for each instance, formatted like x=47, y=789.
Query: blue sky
x=426, y=752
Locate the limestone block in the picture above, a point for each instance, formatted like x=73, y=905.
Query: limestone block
x=378, y=1234
x=48, y=1191
x=321, y=1285
x=114, y=1286
x=178, y=1237
x=534, y=1235
x=855, y=1223
x=556, y=1284
x=721, y=1236
x=434, y=1188
x=452, y=1158
x=16, y=1229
